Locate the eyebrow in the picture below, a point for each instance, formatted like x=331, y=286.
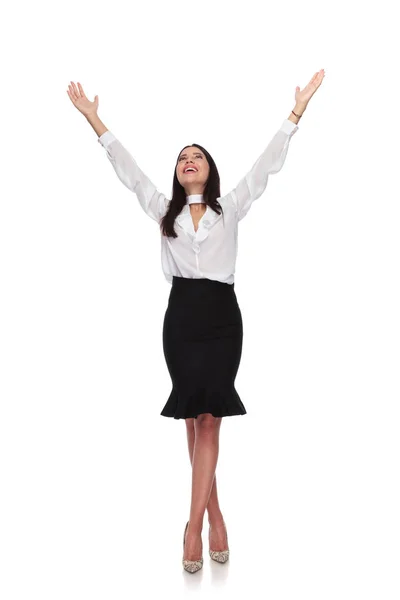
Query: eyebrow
x=184, y=154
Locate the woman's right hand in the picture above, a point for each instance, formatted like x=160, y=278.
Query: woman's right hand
x=78, y=98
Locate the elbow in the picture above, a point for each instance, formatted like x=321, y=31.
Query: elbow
x=277, y=166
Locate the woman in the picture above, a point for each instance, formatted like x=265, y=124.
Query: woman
x=202, y=331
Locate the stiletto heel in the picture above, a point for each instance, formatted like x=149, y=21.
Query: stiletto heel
x=220, y=556
x=191, y=566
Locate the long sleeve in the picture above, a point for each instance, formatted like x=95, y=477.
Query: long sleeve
x=153, y=202
x=271, y=161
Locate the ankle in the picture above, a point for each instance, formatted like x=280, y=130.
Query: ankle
x=215, y=519
x=195, y=527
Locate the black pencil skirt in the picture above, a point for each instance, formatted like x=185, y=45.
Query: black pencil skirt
x=202, y=343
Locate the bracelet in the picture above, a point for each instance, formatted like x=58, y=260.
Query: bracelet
x=298, y=116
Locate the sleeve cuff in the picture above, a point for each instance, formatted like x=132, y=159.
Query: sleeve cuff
x=106, y=138
x=289, y=127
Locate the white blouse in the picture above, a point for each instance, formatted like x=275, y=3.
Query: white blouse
x=210, y=252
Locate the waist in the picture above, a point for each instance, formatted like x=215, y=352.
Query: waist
x=203, y=300
x=200, y=282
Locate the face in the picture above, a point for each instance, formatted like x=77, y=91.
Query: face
x=193, y=181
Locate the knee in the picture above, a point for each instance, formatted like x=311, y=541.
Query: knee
x=207, y=423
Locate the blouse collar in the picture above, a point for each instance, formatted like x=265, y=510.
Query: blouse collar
x=195, y=198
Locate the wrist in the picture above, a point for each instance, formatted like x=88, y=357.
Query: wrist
x=300, y=107
x=92, y=116
x=94, y=120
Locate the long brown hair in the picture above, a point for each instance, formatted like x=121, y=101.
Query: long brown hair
x=178, y=201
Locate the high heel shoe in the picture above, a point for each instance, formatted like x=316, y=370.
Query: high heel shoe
x=190, y=565
x=220, y=556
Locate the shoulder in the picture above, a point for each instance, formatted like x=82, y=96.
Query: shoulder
x=227, y=203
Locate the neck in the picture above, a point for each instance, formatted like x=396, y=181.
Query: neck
x=195, y=199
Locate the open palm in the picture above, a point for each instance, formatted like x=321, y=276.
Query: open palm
x=79, y=99
x=304, y=95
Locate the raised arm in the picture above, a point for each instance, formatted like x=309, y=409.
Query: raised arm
x=272, y=159
x=253, y=184
x=154, y=203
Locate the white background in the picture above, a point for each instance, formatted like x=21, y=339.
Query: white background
x=95, y=483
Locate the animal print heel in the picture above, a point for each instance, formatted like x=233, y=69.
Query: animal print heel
x=220, y=556
x=191, y=566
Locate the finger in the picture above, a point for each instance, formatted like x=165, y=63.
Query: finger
x=311, y=80
x=75, y=89
x=81, y=90
x=71, y=92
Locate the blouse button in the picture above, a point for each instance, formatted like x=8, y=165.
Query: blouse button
x=196, y=248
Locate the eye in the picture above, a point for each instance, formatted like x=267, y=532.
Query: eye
x=182, y=157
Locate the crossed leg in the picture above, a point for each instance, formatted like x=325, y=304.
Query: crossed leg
x=203, y=443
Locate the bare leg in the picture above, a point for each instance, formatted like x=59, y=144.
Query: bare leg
x=213, y=509
x=204, y=457
x=217, y=537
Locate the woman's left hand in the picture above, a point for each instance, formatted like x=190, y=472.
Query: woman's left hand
x=303, y=96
